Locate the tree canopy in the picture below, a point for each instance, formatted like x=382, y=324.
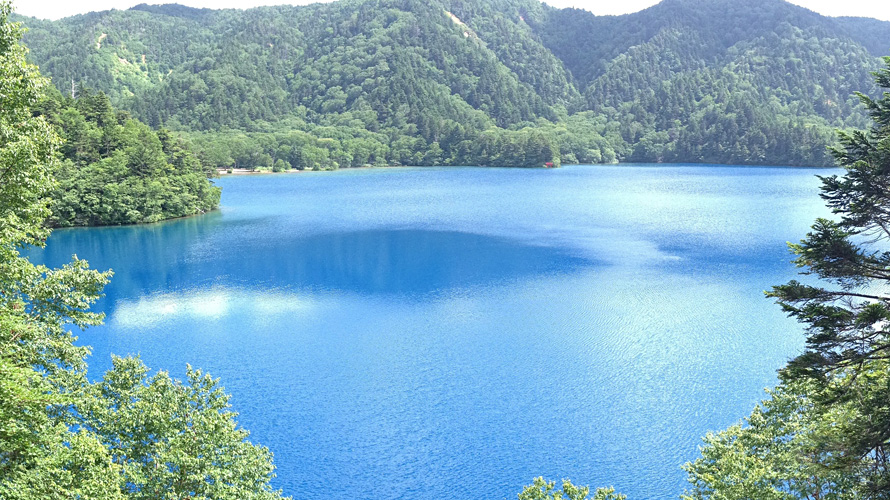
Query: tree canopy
x=546, y=490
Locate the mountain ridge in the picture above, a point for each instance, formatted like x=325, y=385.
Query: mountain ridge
x=445, y=71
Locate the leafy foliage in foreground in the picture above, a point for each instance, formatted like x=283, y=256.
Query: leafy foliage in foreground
x=546, y=490
x=824, y=432
x=451, y=82
x=62, y=437
x=173, y=438
x=117, y=170
x=788, y=448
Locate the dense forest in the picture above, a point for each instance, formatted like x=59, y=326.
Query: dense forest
x=117, y=170
x=454, y=82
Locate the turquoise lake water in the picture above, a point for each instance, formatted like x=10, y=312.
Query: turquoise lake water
x=431, y=333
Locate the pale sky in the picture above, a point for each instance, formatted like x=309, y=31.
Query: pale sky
x=55, y=9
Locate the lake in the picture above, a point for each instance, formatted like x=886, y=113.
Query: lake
x=455, y=332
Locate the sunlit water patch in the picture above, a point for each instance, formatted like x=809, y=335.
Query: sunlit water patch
x=413, y=333
x=213, y=304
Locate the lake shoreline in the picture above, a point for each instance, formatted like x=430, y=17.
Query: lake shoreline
x=162, y=221
x=246, y=171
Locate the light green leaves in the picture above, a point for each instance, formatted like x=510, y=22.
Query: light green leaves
x=175, y=439
x=546, y=490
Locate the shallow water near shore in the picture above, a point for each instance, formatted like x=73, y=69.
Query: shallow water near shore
x=455, y=332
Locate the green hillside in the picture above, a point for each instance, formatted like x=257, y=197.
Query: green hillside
x=494, y=82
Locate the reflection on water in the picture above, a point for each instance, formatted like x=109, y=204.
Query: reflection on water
x=395, y=262
x=406, y=262
x=405, y=332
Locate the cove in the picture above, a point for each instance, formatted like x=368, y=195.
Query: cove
x=455, y=332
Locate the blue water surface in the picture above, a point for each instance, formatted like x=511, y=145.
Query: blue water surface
x=428, y=333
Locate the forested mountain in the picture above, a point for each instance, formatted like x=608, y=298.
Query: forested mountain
x=490, y=82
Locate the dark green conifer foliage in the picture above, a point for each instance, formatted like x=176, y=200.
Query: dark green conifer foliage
x=847, y=320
